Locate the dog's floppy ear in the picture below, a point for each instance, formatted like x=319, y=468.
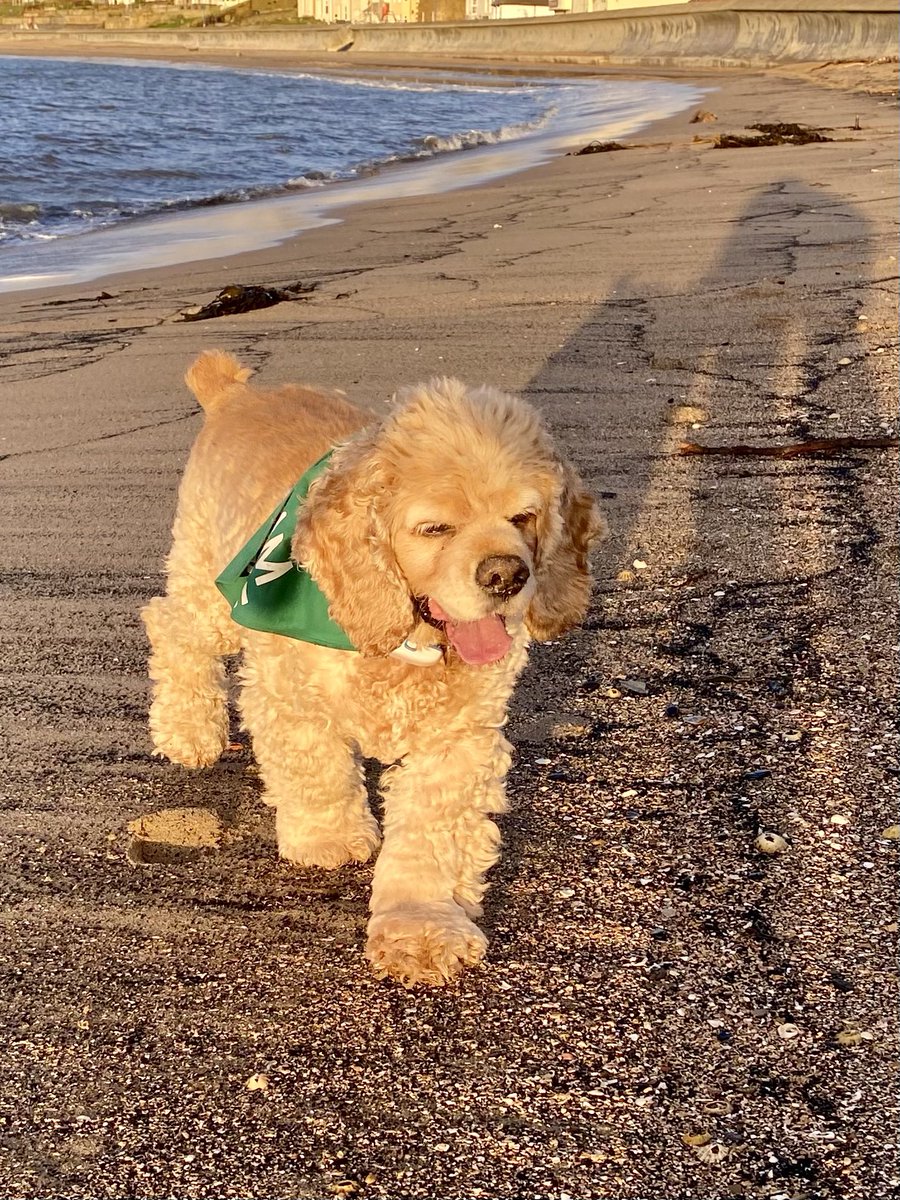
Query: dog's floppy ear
x=561, y=564
x=343, y=542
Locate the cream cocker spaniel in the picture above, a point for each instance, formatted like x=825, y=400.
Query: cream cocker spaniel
x=444, y=538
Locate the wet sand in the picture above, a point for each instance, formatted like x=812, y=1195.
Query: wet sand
x=666, y=1009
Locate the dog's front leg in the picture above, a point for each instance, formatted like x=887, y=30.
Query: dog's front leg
x=438, y=843
x=312, y=776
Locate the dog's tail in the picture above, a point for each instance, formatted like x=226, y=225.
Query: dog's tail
x=212, y=375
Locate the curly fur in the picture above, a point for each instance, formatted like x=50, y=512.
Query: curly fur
x=397, y=525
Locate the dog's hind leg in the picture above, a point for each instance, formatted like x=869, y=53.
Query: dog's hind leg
x=313, y=777
x=189, y=710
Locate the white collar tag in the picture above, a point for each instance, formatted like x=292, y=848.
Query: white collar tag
x=419, y=656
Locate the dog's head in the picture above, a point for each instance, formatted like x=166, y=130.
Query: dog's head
x=456, y=509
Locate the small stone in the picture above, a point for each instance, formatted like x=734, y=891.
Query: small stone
x=849, y=1037
x=757, y=773
x=639, y=564
x=696, y=1139
x=671, y=711
x=844, y=362
x=770, y=843
x=442, y=1147
x=788, y=1031
x=257, y=1083
x=636, y=687
x=838, y=819
x=792, y=738
x=543, y=762
x=891, y=834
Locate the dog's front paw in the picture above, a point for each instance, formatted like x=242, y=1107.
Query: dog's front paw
x=315, y=848
x=200, y=749
x=423, y=943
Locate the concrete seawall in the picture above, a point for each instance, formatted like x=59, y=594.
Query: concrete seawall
x=743, y=34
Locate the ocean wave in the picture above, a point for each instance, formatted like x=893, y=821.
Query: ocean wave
x=471, y=139
x=33, y=221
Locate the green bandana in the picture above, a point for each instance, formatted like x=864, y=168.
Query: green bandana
x=268, y=591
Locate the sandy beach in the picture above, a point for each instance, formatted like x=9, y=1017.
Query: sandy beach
x=666, y=1010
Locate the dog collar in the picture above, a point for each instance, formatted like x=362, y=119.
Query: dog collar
x=269, y=592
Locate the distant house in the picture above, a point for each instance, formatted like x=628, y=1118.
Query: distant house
x=359, y=12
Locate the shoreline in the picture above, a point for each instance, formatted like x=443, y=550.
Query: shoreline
x=202, y=232
x=664, y=1010
x=218, y=226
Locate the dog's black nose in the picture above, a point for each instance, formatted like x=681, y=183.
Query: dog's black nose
x=502, y=575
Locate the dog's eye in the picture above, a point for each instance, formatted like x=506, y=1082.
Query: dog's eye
x=430, y=529
x=520, y=519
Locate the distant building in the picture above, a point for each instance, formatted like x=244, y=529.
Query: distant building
x=548, y=8
x=360, y=12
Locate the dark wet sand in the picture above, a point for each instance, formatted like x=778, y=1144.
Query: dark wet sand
x=652, y=975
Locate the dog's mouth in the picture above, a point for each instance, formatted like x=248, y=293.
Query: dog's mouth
x=476, y=642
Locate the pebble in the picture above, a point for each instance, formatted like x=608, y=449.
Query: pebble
x=891, y=834
x=636, y=687
x=696, y=1139
x=787, y=1031
x=757, y=773
x=838, y=819
x=844, y=362
x=639, y=564
x=257, y=1083
x=849, y=1037
x=792, y=738
x=671, y=711
x=770, y=843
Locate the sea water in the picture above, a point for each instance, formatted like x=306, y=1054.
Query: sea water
x=93, y=147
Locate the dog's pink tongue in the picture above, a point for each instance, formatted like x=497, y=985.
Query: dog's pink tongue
x=476, y=642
